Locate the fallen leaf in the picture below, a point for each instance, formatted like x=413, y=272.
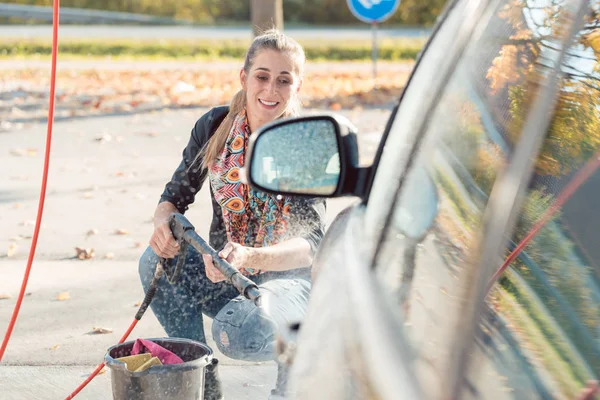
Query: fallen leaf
x=102, y=371
x=119, y=174
x=88, y=195
x=104, y=138
x=137, y=245
x=121, y=232
x=92, y=232
x=5, y=296
x=63, y=296
x=100, y=331
x=56, y=346
x=12, y=250
x=32, y=152
x=139, y=303
x=84, y=254
x=18, y=152
x=109, y=256
x=335, y=106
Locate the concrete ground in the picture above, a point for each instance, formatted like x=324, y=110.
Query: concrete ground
x=106, y=175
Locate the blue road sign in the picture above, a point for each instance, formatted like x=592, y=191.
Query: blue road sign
x=370, y=11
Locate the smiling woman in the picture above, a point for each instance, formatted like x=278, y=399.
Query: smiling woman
x=271, y=238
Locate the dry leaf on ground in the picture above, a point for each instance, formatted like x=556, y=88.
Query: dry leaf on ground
x=104, y=138
x=109, y=256
x=100, y=331
x=12, y=250
x=18, y=152
x=84, y=254
x=5, y=296
x=63, y=296
x=92, y=232
x=139, y=303
x=121, y=232
x=56, y=346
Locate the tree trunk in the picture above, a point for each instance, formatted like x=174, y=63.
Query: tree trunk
x=266, y=14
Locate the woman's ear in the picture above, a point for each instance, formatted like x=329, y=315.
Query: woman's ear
x=299, y=86
x=243, y=78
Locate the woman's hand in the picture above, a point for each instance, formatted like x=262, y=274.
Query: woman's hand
x=235, y=254
x=162, y=241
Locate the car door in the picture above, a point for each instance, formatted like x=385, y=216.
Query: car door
x=393, y=310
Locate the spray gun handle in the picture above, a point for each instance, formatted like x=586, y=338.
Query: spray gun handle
x=185, y=234
x=179, y=226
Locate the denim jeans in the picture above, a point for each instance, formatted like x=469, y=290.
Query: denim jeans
x=241, y=330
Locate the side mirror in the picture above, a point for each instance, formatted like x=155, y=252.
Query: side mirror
x=306, y=156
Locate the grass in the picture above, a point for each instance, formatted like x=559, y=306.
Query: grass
x=330, y=50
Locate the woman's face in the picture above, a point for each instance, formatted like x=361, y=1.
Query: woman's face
x=270, y=85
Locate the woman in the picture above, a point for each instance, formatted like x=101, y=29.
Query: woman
x=270, y=238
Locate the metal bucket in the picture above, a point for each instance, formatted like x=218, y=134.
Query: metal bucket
x=174, y=382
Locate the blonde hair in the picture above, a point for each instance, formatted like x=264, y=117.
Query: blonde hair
x=269, y=40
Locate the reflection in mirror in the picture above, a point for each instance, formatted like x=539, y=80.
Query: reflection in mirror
x=299, y=157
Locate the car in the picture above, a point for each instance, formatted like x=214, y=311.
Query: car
x=470, y=266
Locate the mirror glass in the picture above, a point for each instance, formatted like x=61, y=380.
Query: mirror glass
x=300, y=157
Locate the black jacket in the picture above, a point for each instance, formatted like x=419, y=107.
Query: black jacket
x=306, y=215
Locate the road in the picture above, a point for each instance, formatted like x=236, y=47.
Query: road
x=206, y=33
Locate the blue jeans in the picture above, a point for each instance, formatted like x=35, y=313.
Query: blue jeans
x=241, y=330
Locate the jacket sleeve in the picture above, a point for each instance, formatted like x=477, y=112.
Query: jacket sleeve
x=188, y=179
x=308, y=216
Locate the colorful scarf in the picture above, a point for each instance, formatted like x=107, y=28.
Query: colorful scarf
x=252, y=218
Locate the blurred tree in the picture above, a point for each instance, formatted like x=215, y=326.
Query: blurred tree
x=266, y=14
x=321, y=12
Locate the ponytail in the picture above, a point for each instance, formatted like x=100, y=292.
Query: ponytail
x=215, y=145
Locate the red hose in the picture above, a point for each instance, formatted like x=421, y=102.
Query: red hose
x=579, y=179
x=100, y=366
x=38, y=221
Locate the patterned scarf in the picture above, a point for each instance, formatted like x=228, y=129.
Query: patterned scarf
x=252, y=218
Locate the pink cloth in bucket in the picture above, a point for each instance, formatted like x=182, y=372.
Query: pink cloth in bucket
x=165, y=356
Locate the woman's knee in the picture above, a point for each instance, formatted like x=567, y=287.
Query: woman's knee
x=243, y=332
x=147, y=266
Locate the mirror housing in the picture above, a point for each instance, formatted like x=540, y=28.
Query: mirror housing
x=312, y=156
